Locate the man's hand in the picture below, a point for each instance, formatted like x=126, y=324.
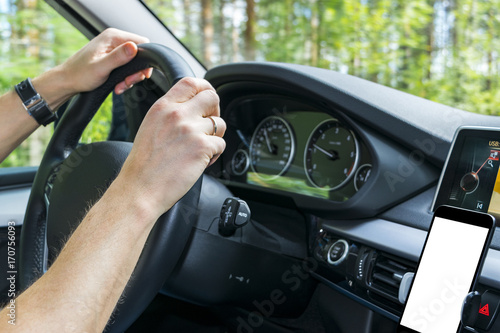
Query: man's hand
x=174, y=145
x=84, y=71
x=90, y=67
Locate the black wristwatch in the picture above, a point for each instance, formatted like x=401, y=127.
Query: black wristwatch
x=34, y=103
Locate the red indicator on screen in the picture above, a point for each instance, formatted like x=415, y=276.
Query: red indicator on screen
x=485, y=310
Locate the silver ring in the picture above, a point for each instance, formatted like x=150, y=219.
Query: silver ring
x=215, y=124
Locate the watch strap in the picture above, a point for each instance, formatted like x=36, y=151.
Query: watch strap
x=34, y=103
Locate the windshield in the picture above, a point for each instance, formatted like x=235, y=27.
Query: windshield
x=442, y=50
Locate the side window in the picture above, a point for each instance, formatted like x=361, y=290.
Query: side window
x=34, y=38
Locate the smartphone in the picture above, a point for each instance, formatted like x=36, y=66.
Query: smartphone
x=447, y=271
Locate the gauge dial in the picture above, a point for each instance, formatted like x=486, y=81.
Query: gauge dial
x=331, y=155
x=272, y=148
x=362, y=175
x=240, y=162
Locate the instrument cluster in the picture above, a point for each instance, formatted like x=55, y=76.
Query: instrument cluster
x=290, y=146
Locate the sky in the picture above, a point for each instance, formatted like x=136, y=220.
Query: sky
x=4, y=5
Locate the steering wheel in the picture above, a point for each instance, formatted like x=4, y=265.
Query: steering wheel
x=70, y=177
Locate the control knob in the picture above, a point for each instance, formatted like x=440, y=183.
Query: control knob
x=234, y=214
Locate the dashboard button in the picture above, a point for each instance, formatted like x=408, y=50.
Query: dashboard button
x=487, y=310
x=337, y=252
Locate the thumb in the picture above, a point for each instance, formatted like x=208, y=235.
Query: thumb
x=119, y=56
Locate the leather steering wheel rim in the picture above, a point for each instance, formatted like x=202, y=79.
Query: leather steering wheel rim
x=170, y=232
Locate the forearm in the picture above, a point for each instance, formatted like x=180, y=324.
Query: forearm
x=17, y=124
x=87, y=279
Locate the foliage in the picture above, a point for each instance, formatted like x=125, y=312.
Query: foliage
x=443, y=50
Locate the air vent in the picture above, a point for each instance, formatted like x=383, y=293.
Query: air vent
x=390, y=277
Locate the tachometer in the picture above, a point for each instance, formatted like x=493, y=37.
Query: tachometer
x=331, y=155
x=272, y=148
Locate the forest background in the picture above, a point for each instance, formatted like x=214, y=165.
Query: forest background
x=443, y=50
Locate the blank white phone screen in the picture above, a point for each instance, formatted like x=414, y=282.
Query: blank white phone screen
x=444, y=276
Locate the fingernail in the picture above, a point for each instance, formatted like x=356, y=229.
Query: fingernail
x=129, y=49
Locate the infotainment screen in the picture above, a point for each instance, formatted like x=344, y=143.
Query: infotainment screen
x=471, y=177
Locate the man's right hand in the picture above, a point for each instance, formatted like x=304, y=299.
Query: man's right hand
x=173, y=146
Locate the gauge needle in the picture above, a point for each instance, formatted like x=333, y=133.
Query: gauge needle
x=331, y=155
x=268, y=142
x=488, y=159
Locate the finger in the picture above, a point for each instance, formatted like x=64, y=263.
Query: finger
x=118, y=56
x=186, y=89
x=206, y=103
x=138, y=77
x=119, y=37
x=218, y=146
x=147, y=72
x=132, y=79
x=213, y=125
x=121, y=87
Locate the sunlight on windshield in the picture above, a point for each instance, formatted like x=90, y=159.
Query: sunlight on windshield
x=443, y=50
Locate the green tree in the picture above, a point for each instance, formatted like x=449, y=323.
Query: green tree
x=443, y=50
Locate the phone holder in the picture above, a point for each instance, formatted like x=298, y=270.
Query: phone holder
x=479, y=311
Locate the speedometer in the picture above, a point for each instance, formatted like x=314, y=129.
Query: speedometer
x=331, y=155
x=272, y=148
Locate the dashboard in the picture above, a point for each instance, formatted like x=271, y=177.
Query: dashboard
x=283, y=144
x=358, y=163
x=287, y=147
